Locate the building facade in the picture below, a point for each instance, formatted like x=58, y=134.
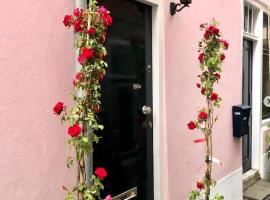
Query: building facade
x=149, y=97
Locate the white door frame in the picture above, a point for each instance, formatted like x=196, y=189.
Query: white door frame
x=257, y=123
x=159, y=114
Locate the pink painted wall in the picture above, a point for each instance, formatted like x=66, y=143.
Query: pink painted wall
x=185, y=159
x=36, y=62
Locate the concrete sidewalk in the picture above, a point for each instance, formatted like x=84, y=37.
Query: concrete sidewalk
x=258, y=191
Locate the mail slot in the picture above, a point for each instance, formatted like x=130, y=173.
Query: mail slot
x=240, y=117
x=128, y=195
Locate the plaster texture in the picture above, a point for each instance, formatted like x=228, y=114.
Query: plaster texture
x=36, y=69
x=183, y=98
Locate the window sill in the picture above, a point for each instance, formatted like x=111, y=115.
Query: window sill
x=250, y=36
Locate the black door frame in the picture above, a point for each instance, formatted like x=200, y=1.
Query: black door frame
x=247, y=76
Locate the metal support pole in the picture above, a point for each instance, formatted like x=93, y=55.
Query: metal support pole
x=88, y=159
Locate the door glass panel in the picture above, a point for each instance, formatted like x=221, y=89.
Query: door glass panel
x=124, y=148
x=266, y=68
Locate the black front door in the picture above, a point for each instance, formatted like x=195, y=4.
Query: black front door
x=126, y=147
x=247, y=100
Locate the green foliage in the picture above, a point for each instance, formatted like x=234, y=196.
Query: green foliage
x=211, y=57
x=69, y=162
x=91, y=25
x=194, y=195
x=218, y=197
x=69, y=196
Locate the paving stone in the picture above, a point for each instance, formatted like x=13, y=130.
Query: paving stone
x=258, y=191
x=250, y=177
x=263, y=183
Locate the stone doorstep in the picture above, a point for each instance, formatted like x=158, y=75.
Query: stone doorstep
x=250, y=177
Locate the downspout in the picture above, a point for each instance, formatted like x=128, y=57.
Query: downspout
x=88, y=159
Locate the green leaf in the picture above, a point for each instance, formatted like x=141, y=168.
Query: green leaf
x=193, y=195
x=69, y=162
x=85, y=139
x=69, y=196
x=218, y=197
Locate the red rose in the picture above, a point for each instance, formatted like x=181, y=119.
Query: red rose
x=202, y=115
x=206, y=34
x=201, y=57
x=67, y=20
x=77, y=25
x=91, y=31
x=214, y=30
x=198, y=85
x=81, y=59
x=222, y=56
x=87, y=53
x=200, y=185
x=203, y=90
x=96, y=108
x=78, y=12
x=105, y=16
x=102, y=10
x=103, y=37
x=202, y=26
x=107, y=20
x=191, y=125
x=217, y=75
x=214, y=97
x=74, y=82
x=101, y=173
x=225, y=44
x=58, y=108
x=100, y=77
x=74, y=130
x=78, y=76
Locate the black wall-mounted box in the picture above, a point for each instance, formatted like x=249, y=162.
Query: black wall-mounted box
x=240, y=115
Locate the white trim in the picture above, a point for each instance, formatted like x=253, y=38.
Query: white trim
x=159, y=138
x=249, y=36
x=257, y=122
x=258, y=4
x=229, y=186
x=257, y=92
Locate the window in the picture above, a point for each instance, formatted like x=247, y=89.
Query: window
x=266, y=70
x=248, y=19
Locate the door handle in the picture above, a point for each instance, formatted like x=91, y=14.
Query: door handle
x=146, y=110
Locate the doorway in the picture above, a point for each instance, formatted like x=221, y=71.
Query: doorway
x=126, y=147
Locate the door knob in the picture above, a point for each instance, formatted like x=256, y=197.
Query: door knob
x=146, y=110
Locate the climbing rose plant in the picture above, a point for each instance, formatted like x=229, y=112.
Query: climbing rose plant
x=211, y=58
x=90, y=24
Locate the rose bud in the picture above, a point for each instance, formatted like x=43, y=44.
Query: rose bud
x=191, y=125
x=214, y=97
x=58, y=108
x=101, y=173
x=202, y=115
x=200, y=185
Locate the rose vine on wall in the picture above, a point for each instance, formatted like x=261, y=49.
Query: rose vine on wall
x=211, y=58
x=91, y=25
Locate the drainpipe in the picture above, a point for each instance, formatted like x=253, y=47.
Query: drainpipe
x=89, y=158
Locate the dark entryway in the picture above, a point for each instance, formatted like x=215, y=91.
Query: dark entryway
x=126, y=149
x=247, y=100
